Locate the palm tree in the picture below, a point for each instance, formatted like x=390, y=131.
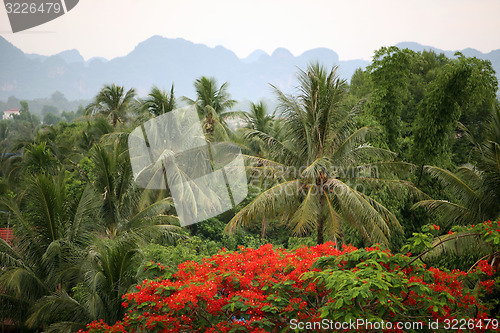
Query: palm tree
x=260, y=126
x=112, y=102
x=92, y=133
x=312, y=163
x=126, y=208
x=159, y=102
x=38, y=158
x=52, y=230
x=475, y=188
x=110, y=270
x=259, y=118
x=212, y=104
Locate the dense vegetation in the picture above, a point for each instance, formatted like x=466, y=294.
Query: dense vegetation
x=392, y=175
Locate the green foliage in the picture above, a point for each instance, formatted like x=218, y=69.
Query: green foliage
x=260, y=126
x=57, y=102
x=52, y=230
x=213, y=104
x=192, y=249
x=390, y=76
x=473, y=188
x=439, y=112
x=112, y=102
x=51, y=119
x=86, y=234
x=298, y=242
x=159, y=102
x=462, y=247
x=361, y=84
x=311, y=166
x=39, y=159
x=376, y=274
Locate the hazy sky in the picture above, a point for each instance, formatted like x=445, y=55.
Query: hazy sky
x=353, y=28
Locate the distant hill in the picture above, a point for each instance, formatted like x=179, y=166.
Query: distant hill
x=493, y=56
x=156, y=61
x=161, y=61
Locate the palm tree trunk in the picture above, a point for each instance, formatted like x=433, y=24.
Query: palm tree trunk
x=263, y=229
x=321, y=224
x=420, y=175
x=321, y=219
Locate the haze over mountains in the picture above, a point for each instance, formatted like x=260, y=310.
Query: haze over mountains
x=161, y=61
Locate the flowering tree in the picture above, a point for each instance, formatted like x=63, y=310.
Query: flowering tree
x=274, y=290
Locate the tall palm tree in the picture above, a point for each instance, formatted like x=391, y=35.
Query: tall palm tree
x=312, y=162
x=212, y=104
x=52, y=230
x=112, y=102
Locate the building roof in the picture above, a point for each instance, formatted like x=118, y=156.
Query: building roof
x=6, y=234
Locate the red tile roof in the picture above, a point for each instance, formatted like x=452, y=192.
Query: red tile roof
x=6, y=234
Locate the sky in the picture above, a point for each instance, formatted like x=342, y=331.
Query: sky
x=352, y=28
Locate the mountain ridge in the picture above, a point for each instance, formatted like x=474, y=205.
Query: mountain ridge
x=162, y=61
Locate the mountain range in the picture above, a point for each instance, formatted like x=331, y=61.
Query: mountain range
x=162, y=61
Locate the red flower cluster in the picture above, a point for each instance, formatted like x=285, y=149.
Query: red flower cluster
x=261, y=290
x=433, y=227
x=492, y=227
x=484, y=267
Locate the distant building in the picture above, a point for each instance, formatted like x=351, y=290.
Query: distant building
x=235, y=123
x=7, y=114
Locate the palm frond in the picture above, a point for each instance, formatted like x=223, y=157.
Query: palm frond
x=278, y=200
x=447, y=213
x=58, y=308
x=371, y=219
x=306, y=215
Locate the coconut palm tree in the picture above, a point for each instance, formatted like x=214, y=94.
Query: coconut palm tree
x=159, y=102
x=260, y=125
x=52, y=230
x=258, y=118
x=126, y=208
x=38, y=158
x=110, y=270
x=313, y=163
x=212, y=104
x=112, y=102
